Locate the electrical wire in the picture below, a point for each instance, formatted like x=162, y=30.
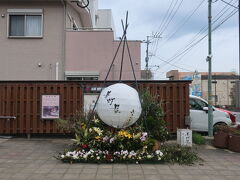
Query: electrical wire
x=229, y=3
x=163, y=21
x=193, y=42
x=193, y=45
x=165, y=16
x=186, y=20
x=172, y=64
x=203, y=29
x=168, y=21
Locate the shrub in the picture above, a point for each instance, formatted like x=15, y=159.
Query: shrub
x=198, y=139
x=174, y=153
x=152, y=118
x=221, y=128
x=235, y=130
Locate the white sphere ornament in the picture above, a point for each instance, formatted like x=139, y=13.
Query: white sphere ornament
x=119, y=105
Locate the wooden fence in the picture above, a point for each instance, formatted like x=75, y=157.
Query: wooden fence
x=20, y=102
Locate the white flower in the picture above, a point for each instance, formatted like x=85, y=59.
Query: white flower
x=75, y=157
x=133, y=153
x=136, y=162
x=157, y=152
x=98, y=158
x=149, y=156
x=124, y=152
x=144, y=134
x=98, y=131
x=69, y=153
x=111, y=140
x=62, y=156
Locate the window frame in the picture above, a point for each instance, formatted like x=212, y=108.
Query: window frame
x=25, y=13
x=82, y=78
x=82, y=75
x=198, y=103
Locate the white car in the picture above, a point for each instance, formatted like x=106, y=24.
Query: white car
x=199, y=115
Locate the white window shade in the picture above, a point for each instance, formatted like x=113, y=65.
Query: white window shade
x=33, y=26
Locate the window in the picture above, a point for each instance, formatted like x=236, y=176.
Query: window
x=80, y=75
x=25, y=23
x=196, y=104
x=78, y=78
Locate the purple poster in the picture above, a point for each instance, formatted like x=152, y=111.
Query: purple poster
x=50, y=106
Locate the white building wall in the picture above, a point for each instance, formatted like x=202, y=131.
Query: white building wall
x=105, y=19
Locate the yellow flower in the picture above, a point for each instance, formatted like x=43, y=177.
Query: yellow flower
x=98, y=138
x=95, y=120
x=83, y=125
x=124, y=134
x=137, y=136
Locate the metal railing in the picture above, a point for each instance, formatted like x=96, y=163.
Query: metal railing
x=89, y=29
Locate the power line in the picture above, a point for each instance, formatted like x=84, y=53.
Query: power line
x=172, y=64
x=186, y=20
x=168, y=21
x=183, y=53
x=163, y=21
x=202, y=30
x=192, y=42
x=165, y=16
x=229, y=4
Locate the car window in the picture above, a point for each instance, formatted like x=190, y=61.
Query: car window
x=196, y=104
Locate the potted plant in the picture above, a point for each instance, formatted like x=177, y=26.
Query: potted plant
x=234, y=139
x=221, y=136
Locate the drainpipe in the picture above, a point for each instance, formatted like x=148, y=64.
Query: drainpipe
x=63, y=62
x=113, y=69
x=57, y=67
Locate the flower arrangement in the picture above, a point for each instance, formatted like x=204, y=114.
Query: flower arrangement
x=100, y=156
x=142, y=142
x=97, y=142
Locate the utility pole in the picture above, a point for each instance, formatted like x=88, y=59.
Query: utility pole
x=147, y=54
x=209, y=59
x=147, y=58
x=239, y=39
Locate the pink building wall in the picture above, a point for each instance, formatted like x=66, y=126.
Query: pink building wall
x=93, y=51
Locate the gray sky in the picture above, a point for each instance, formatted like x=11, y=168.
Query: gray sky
x=179, y=32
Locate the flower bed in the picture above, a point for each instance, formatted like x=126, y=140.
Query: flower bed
x=100, y=156
x=96, y=142
x=100, y=143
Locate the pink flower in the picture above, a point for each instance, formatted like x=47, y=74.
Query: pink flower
x=105, y=139
x=111, y=140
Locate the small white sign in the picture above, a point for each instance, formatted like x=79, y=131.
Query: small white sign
x=184, y=137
